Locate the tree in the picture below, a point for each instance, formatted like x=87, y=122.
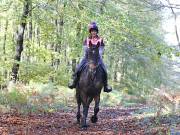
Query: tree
x=20, y=39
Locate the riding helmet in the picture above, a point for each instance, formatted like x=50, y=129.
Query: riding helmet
x=93, y=26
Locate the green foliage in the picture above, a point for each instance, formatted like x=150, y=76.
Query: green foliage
x=134, y=44
x=112, y=99
x=15, y=97
x=36, y=98
x=35, y=72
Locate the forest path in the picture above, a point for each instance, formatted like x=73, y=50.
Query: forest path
x=112, y=120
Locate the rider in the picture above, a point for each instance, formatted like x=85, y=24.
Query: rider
x=94, y=38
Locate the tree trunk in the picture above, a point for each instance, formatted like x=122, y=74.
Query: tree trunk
x=4, y=47
x=19, y=41
x=103, y=4
x=30, y=31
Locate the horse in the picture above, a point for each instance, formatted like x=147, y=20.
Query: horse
x=89, y=85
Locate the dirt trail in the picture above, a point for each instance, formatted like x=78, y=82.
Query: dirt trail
x=112, y=121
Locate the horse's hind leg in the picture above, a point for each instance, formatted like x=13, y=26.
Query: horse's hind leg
x=94, y=118
x=78, y=116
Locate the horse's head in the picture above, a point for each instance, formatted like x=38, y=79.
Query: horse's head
x=93, y=55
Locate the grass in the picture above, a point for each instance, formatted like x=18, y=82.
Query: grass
x=36, y=97
x=39, y=97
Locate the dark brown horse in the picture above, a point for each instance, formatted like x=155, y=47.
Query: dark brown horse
x=90, y=85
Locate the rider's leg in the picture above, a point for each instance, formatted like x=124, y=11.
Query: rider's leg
x=106, y=87
x=76, y=75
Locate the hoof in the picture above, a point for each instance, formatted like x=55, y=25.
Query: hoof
x=84, y=127
x=94, y=119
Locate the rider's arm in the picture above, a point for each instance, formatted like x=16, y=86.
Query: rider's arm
x=101, y=48
x=84, y=48
x=101, y=51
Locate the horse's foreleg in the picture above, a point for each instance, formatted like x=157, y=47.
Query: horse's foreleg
x=85, y=111
x=96, y=109
x=78, y=98
x=78, y=111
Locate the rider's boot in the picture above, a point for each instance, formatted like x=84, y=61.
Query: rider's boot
x=76, y=75
x=106, y=87
x=73, y=84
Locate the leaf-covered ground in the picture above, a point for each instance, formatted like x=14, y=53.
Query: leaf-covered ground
x=112, y=121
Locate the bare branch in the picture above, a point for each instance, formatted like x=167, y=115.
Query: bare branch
x=175, y=19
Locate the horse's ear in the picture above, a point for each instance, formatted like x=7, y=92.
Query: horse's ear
x=98, y=44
